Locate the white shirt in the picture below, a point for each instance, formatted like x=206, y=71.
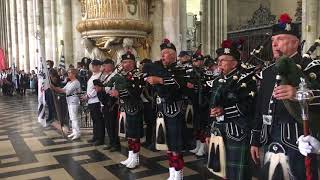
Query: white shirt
x=91, y=92
x=72, y=88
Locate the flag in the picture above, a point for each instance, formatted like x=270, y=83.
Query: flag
x=43, y=82
x=43, y=85
x=62, y=63
x=2, y=60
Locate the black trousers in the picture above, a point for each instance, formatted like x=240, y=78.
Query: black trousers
x=49, y=101
x=98, y=122
x=149, y=117
x=111, y=123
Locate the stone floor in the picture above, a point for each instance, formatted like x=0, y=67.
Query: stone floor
x=29, y=151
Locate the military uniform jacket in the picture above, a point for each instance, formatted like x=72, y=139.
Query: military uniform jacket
x=275, y=124
x=130, y=91
x=171, y=92
x=235, y=93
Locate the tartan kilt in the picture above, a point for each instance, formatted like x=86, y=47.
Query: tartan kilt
x=238, y=159
x=134, y=125
x=175, y=127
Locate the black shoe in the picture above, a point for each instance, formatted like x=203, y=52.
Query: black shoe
x=107, y=147
x=91, y=141
x=115, y=148
x=98, y=143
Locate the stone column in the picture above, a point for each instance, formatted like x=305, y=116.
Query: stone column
x=39, y=21
x=14, y=33
x=64, y=13
x=156, y=16
x=171, y=22
x=9, y=41
x=31, y=34
x=48, y=29
x=78, y=51
x=3, y=27
x=25, y=36
x=20, y=35
x=183, y=24
x=214, y=24
x=54, y=31
x=310, y=22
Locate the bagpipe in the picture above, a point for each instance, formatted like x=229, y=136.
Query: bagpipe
x=291, y=74
x=126, y=83
x=304, y=108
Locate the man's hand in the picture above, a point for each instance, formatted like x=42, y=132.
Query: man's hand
x=254, y=150
x=308, y=144
x=190, y=85
x=52, y=87
x=114, y=93
x=284, y=92
x=217, y=111
x=84, y=98
x=153, y=80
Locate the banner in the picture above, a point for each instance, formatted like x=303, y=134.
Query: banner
x=2, y=60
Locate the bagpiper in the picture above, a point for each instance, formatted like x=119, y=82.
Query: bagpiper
x=276, y=129
x=232, y=102
x=199, y=102
x=128, y=87
x=170, y=117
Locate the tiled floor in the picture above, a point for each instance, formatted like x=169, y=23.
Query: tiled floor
x=28, y=151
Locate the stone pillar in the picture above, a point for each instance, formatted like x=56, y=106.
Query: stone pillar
x=310, y=22
x=25, y=36
x=20, y=35
x=64, y=13
x=54, y=31
x=183, y=24
x=156, y=16
x=9, y=41
x=171, y=22
x=31, y=34
x=48, y=29
x=204, y=25
x=39, y=21
x=214, y=24
x=78, y=51
x=14, y=33
x=3, y=29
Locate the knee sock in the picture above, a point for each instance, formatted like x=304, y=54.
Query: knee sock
x=169, y=155
x=130, y=144
x=203, y=137
x=136, y=146
x=178, y=162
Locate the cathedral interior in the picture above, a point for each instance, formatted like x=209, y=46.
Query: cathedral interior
x=99, y=29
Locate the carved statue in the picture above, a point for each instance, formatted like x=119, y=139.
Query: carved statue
x=114, y=43
x=92, y=51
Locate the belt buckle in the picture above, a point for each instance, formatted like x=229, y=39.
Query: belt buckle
x=267, y=119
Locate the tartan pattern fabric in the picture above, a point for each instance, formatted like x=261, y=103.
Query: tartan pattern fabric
x=238, y=159
x=134, y=125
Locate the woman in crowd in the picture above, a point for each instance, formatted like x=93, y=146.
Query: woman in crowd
x=71, y=89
